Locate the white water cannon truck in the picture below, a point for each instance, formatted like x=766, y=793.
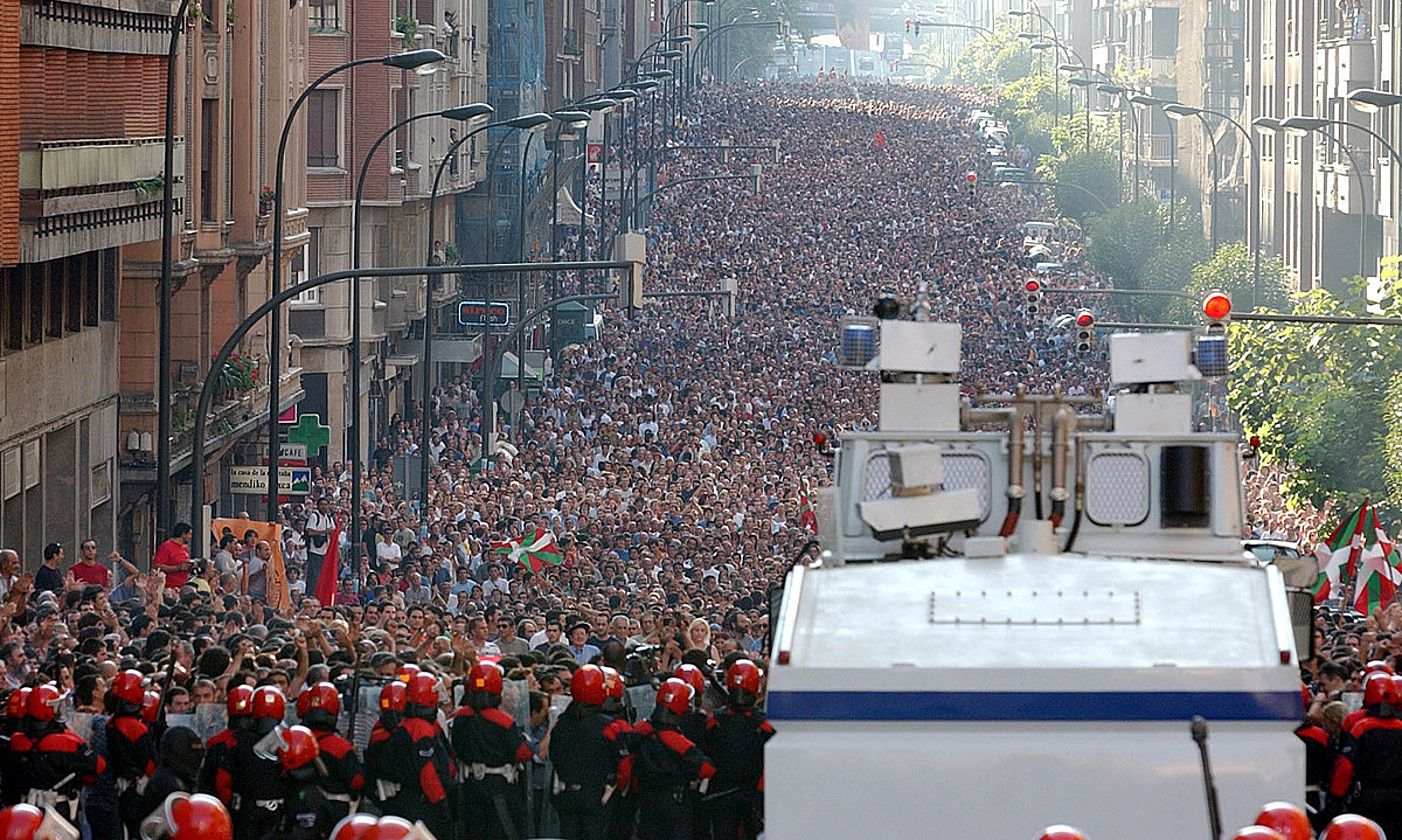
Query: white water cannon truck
x=1022, y=601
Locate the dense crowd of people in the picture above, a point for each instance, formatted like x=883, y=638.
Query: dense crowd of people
x=661, y=474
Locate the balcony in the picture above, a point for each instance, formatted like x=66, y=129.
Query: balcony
x=1350, y=24
x=134, y=27
x=83, y=195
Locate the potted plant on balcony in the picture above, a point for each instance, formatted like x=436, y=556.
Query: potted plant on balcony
x=405, y=26
x=265, y=202
x=238, y=377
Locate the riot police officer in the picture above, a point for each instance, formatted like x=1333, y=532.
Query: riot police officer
x=665, y=764
x=318, y=707
x=418, y=770
x=587, y=749
x=735, y=737
x=490, y=747
x=59, y=762
x=256, y=782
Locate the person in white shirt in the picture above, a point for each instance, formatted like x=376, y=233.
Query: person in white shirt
x=387, y=551
x=495, y=582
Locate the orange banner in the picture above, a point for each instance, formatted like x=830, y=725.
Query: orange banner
x=278, y=596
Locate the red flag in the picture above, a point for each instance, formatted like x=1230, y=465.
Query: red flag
x=325, y=584
x=880, y=139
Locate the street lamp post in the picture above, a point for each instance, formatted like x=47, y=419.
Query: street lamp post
x=411, y=60
x=525, y=122
x=1177, y=111
x=1268, y=124
x=1303, y=125
x=197, y=499
x=1084, y=84
x=461, y=113
x=1143, y=101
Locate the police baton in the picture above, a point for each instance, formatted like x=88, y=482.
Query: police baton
x=1214, y=812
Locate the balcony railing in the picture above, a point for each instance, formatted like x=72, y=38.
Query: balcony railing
x=1352, y=24
x=78, y=195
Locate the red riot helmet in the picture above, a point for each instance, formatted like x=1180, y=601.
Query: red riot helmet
x=319, y=705
x=239, y=703
x=130, y=688
x=299, y=748
x=1375, y=685
x=1054, y=832
x=269, y=708
x=588, y=686
x=151, y=706
x=742, y=681
x=15, y=710
x=421, y=696
x=354, y=827
x=1257, y=832
x=20, y=822
x=406, y=672
x=389, y=828
x=392, y=698
x=1377, y=666
x=42, y=703
x=1352, y=827
x=692, y=676
x=189, y=817
x=1287, y=819
x=484, y=686
x=673, y=701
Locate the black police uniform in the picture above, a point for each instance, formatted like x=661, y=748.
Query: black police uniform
x=665, y=763
x=586, y=748
x=490, y=746
x=735, y=739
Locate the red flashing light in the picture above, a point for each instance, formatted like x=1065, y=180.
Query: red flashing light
x=1033, y=285
x=1085, y=319
x=1217, y=306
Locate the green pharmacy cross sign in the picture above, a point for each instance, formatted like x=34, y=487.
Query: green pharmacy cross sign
x=310, y=433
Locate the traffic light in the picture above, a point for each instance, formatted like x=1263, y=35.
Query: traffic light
x=1085, y=330
x=917, y=28
x=908, y=24
x=1217, y=308
x=1032, y=297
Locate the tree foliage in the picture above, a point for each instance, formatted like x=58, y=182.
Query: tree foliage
x=1323, y=397
x=1080, y=172
x=995, y=59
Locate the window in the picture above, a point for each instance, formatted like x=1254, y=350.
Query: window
x=325, y=14
x=34, y=277
x=308, y=264
x=323, y=128
x=92, y=289
x=209, y=126
x=76, y=269
x=109, y=284
x=13, y=281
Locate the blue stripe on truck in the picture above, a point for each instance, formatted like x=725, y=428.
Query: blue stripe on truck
x=1033, y=705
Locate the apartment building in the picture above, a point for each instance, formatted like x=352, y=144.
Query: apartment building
x=345, y=118
x=80, y=187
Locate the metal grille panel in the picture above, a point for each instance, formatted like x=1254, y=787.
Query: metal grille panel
x=962, y=471
x=1117, y=489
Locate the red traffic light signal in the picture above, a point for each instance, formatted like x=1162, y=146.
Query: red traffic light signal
x=1217, y=306
x=972, y=178
x=1085, y=319
x=1033, y=285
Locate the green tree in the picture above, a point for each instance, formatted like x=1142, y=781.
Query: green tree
x=1319, y=396
x=1090, y=183
x=994, y=59
x=1121, y=241
x=1232, y=270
